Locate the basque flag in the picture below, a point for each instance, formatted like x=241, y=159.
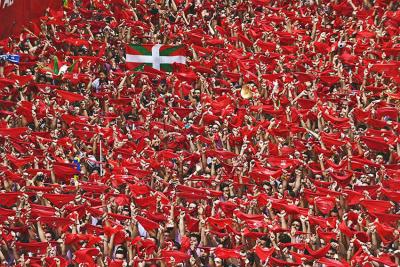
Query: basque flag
x=157, y=56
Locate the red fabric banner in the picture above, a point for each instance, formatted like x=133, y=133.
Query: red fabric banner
x=15, y=14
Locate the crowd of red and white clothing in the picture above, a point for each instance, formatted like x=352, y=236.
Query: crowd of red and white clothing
x=276, y=144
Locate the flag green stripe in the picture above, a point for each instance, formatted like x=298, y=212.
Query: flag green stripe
x=71, y=68
x=170, y=50
x=55, y=65
x=141, y=50
x=166, y=67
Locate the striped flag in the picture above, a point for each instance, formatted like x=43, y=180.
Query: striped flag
x=158, y=56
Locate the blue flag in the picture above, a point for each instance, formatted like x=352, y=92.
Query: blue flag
x=11, y=58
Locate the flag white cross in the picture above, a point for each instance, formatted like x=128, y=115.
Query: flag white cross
x=155, y=58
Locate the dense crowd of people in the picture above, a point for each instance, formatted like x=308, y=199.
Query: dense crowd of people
x=276, y=144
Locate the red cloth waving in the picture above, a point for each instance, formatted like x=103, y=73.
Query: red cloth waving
x=59, y=200
x=226, y=253
x=264, y=253
x=178, y=256
x=9, y=199
x=380, y=206
x=85, y=256
x=147, y=224
x=318, y=253
x=325, y=204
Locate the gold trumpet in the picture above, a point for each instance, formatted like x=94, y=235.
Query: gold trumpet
x=246, y=92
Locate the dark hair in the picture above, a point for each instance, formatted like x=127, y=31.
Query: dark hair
x=53, y=235
x=267, y=240
x=284, y=238
x=126, y=208
x=197, y=236
x=223, y=185
x=40, y=178
x=121, y=250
